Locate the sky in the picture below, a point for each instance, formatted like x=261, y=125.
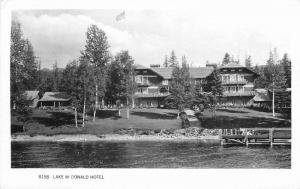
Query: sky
x=249, y=28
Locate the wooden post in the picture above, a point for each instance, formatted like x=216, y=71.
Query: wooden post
x=53, y=104
x=246, y=137
x=58, y=105
x=42, y=105
x=220, y=134
x=271, y=136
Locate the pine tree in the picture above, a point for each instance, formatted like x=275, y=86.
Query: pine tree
x=181, y=89
x=30, y=67
x=214, y=88
x=121, y=85
x=71, y=87
x=97, y=53
x=166, y=64
x=173, y=62
x=271, y=60
x=287, y=67
x=226, y=59
x=55, y=77
x=248, y=62
x=184, y=61
x=260, y=82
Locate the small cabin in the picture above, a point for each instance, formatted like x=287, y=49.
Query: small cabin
x=54, y=100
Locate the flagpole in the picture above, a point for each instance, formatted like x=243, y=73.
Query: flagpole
x=273, y=100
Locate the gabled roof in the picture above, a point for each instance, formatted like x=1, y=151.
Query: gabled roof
x=55, y=96
x=200, y=72
x=233, y=65
x=236, y=65
x=261, y=95
x=166, y=73
x=195, y=73
x=30, y=95
x=140, y=67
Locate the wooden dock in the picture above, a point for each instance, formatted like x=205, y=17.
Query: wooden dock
x=256, y=136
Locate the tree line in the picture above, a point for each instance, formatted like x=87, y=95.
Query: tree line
x=274, y=73
x=90, y=79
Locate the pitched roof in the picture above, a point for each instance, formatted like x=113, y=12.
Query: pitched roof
x=166, y=73
x=237, y=65
x=30, y=95
x=140, y=67
x=55, y=96
x=195, y=72
x=233, y=65
x=201, y=72
x=261, y=95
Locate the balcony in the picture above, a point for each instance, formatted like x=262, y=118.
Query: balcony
x=144, y=83
x=147, y=95
x=242, y=82
x=245, y=93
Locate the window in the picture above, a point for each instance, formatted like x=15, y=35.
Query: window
x=242, y=77
x=233, y=77
x=225, y=78
x=165, y=82
x=233, y=89
x=240, y=89
x=138, y=79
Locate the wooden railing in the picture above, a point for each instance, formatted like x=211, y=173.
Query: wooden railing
x=255, y=136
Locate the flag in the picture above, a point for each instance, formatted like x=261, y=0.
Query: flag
x=120, y=16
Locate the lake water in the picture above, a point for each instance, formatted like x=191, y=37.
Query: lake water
x=145, y=154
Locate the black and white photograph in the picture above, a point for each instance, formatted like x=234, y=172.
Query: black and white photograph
x=151, y=88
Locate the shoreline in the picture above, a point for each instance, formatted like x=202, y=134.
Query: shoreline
x=110, y=137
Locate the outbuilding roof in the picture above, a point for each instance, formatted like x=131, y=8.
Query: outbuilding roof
x=261, y=95
x=55, y=96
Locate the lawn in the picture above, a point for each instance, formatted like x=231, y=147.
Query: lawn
x=107, y=121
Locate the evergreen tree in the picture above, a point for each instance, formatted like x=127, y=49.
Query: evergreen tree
x=184, y=62
x=30, y=67
x=55, y=77
x=248, y=62
x=214, y=88
x=46, y=80
x=71, y=82
x=261, y=81
x=271, y=60
x=287, y=67
x=181, y=89
x=226, y=59
x=121, y=85
x=166, y=64
x=173, y=62
x=97, y=53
